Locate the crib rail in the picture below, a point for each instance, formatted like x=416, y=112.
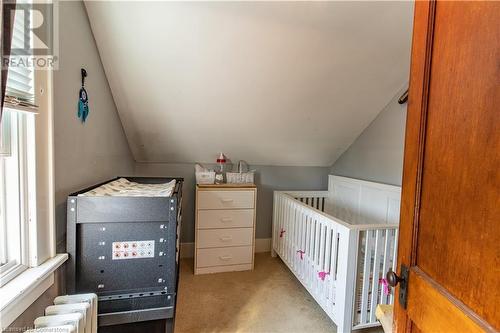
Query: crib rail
x=315, y=199
x=322, y=252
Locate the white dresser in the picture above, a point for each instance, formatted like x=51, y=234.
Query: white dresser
x=225, y=228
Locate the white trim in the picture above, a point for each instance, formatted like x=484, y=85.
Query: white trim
x=12, y=270
x=20, y=108
x=261, y=245
x=17, y=295
x=332, y=179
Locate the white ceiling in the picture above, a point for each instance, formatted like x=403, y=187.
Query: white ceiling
x=274, y=83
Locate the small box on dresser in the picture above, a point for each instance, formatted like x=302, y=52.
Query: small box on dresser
x=225, y=228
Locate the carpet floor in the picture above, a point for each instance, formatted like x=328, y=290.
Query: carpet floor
x=268, y=299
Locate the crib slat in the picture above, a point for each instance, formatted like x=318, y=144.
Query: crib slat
x=387, y=260
x=291, y=236
x=307, y=238
x=297, y=237
x=282, y=221
x=322, y=246
x=326, y=266
x=321, y=266
x=309, y=248
x=286, y=235
x=394, y=261
x=328, y=250
x=293, y=242
x=303, y=240
x=316, y=243
x=285, y=227
x=376, y=274
x=366, y=277
x=334, y=267
x=278, y=225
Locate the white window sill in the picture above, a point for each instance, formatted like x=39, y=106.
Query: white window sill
x=18, y=294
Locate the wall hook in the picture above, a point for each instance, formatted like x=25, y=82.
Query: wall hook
x=404, y=98
x=84, y=75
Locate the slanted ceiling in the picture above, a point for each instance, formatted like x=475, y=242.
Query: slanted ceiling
x=274, y=83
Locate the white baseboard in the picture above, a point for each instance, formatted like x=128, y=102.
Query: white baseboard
x=261, y=245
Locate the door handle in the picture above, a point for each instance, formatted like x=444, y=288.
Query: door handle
x=226, y=200
x=225, y=258
x=225, y=238
x=226, y=219
x=392, y=278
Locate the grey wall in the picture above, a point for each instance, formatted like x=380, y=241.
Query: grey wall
x=377, y=154
x=84, y=154
x=97, y=150
x=268, y=179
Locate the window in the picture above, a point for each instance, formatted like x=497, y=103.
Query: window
x=28, y=256
x=17, y=166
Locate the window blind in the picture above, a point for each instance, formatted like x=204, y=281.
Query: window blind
x=20, y=92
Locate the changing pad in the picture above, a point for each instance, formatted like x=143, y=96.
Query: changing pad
x=124, y=188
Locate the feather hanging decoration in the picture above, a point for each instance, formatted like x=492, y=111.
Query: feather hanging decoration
x=83, y=100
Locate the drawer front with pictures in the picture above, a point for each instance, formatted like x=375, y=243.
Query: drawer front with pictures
x=225, y=200
x=224, y=237
x=216, y=219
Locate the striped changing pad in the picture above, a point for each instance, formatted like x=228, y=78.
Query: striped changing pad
x=124, y=188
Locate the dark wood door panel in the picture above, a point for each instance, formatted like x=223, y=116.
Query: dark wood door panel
x=460, y=200
x=450, y=211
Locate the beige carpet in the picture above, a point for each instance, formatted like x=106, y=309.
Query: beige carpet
x=267, y=299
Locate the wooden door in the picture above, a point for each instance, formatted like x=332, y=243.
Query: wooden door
x=450, y=213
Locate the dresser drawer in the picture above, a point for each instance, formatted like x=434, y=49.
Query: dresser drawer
x=224, y=256
x=224, y=237
x=209, y=219
x=225, y=199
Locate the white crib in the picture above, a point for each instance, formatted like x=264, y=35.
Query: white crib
x=339, y=244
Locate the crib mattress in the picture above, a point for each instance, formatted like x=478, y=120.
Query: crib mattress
x=122, y=187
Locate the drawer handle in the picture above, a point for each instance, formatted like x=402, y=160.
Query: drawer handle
x=225, y=258
x=226, y=200
x=226, y=219
x=225, y=238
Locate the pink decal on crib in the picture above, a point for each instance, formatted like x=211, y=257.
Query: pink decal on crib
x=322, y=275
x=301, y=254
x=282, y=231
x=384, y=283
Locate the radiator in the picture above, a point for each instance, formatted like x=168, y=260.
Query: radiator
x=69, y=314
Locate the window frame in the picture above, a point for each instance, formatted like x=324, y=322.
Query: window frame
x=41, y=258
x=17, y=295
x=17, y=247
